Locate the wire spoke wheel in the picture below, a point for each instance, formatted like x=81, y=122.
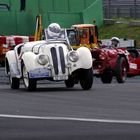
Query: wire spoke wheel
x=30, y=84
x=25, y=77
x=121, y=70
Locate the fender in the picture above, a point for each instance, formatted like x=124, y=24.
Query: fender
x=11, y=63
x=85, y=61
x=28, y=58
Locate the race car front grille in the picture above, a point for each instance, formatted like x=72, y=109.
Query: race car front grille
x=58, y=59
x=62, y=60
x=55, y=60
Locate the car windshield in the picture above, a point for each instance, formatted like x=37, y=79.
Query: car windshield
x=72, y=37
x=55, y=37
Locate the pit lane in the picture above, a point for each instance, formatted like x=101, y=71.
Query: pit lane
x=118, y=103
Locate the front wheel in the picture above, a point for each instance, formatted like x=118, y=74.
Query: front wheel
x=70, y=82
x=86, y=78
x=107, y=77
x=29, y=83
x=121, y=70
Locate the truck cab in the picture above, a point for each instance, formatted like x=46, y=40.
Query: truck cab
x=83, y=35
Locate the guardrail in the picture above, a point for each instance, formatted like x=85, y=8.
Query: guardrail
x=123, y=42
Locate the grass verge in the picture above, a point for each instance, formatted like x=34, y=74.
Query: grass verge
x=121, y=31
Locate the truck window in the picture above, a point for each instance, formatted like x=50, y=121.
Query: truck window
x=91, y=35
x=72, y=37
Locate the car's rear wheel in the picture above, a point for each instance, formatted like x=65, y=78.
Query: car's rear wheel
x=121, y=70
x=14, y=82
x=70, y=82
x=107, y=76
x=86, y=78
x=29, y=83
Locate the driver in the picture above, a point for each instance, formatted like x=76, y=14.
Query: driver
x=115, y=41
x=53, y=31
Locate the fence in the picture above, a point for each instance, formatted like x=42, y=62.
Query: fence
x=121, y=8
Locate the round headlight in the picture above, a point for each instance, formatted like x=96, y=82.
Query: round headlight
x=42, y=59
x=73, y=56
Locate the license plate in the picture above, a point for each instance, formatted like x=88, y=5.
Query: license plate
x=40, y=73
x=133, y=66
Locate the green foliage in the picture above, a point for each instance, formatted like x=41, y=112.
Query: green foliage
x=121, y=31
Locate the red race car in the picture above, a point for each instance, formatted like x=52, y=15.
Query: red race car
x=115, y=61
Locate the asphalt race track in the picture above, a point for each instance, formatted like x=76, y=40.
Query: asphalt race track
x=53, y=112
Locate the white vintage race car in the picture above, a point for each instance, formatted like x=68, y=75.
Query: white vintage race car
x=51, y=59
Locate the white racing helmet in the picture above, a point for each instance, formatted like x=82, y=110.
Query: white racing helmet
x=115, y=39
x=54, y=29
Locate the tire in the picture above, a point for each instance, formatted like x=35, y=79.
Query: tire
x=121, y=70
x=107, y=77
x=14, y=82
x=86, y=78
x=70, y=82
x=29, y=83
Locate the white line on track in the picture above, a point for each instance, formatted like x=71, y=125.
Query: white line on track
x=70, y=119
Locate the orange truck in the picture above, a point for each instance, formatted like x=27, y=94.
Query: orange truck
x=83, y=35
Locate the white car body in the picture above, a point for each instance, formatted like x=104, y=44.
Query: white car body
x=46, y=59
